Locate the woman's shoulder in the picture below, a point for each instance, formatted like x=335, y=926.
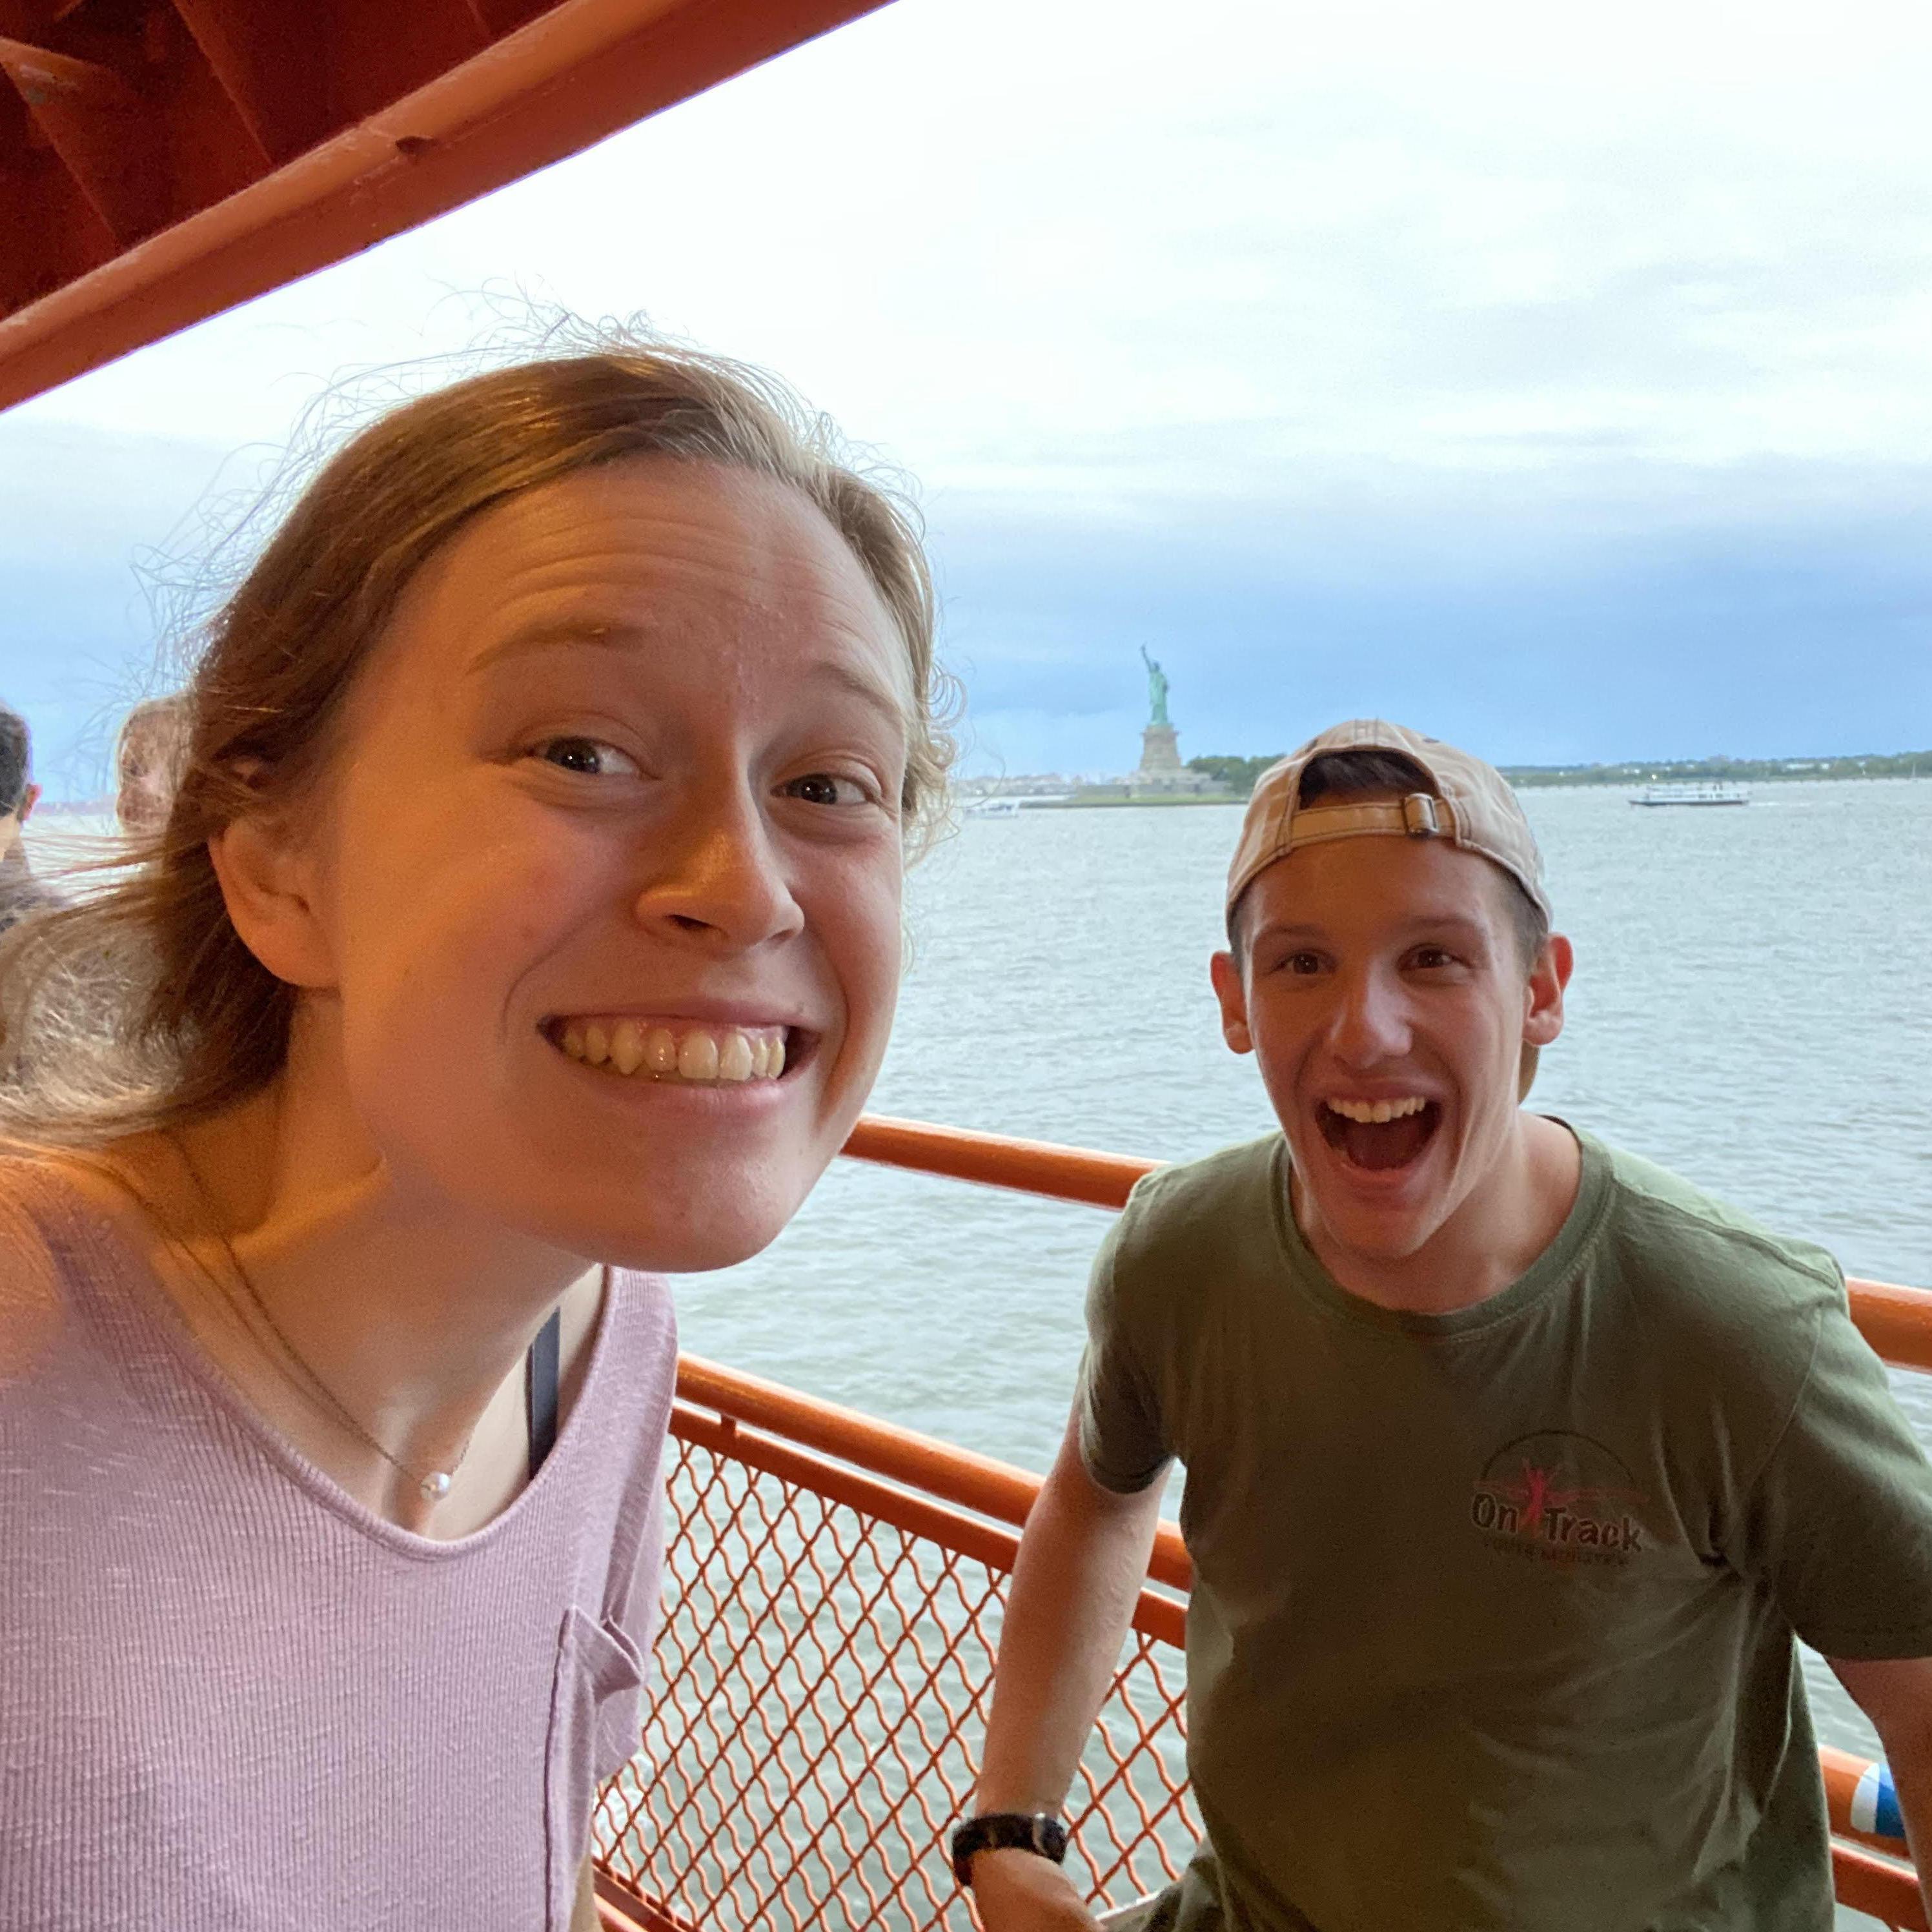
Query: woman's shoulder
x=614, y=1439
x=642, y=1329
x=629, y=1374
x=58, y=1185
x=40, y=1204
x=55, y=1202
x=49, y=1232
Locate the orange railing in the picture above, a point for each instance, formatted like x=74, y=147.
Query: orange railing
x=834, y=1587
x=1897, y=1322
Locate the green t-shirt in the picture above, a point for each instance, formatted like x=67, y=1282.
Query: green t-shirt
x=1492, y=1612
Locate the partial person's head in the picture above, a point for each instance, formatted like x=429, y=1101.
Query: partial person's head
x=553, y=770
x=19, y=794
x=148, y=756
x=1391, y=966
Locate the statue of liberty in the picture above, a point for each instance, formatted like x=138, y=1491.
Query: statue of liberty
x=1157, y=688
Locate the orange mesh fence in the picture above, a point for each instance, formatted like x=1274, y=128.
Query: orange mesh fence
x=822, y=1674
x=833, y=1592
x=821, y=1679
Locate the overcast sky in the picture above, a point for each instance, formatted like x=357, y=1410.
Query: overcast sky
x=1557, y=380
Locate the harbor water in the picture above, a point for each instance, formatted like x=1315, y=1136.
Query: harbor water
x=1750, y=1008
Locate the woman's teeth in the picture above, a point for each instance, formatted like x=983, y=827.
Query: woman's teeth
x=1376, y=1111
x=699, y=1055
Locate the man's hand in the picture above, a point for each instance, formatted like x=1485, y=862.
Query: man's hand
x=1020, y=1891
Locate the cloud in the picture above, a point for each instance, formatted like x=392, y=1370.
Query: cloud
x=1568, y=374
x=1738, y=623
x=82, y=511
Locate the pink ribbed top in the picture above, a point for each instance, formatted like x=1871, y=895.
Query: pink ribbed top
x=231, y=1698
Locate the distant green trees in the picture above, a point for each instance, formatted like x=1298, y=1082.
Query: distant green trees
x=1641, y=771
x=1238, y=775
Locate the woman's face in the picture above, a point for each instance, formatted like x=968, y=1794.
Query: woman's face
x=606, y=878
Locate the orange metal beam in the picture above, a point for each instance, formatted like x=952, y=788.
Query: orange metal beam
x=376, y=53
x=1897, y=1322
x=579, y=73
x=999, y=1160
x=102, y=129
x=1887, y=1891
x=499, y=16
x=45, y=78
x=620, y=1909
x=49, y=232
x=266, y=63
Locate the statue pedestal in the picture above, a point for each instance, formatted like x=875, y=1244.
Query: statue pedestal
x=1160, y=755
x=1160, y=775
x=1161, y=770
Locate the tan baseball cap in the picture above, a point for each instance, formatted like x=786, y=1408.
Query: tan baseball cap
x=1472, y=806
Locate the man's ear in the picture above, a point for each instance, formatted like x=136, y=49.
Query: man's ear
x=29, y=799
x=1543, y=1018
x=1226, y=971
x=269, y=884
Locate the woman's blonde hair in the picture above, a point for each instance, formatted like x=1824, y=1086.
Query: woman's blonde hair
x=138, y=1006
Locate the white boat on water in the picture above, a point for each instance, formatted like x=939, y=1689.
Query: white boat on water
x=1707, y=793
x=1003, y=804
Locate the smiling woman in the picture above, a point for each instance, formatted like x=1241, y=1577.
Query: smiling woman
x=527, y=914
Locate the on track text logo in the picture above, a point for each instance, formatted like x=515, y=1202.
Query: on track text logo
x=1561, y=1497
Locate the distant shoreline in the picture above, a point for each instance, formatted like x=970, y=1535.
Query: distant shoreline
x=1725, y=771
x=1159, y=801
x=1729, y=771
x=1238, y=775
x=1534, y=778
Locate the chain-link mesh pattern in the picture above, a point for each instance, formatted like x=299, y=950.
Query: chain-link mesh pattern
x=823, y=1670
x=820, y=1681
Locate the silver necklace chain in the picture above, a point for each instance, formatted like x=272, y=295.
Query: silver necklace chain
x=433, y=1484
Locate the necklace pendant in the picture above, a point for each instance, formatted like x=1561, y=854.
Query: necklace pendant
x=436, y=1485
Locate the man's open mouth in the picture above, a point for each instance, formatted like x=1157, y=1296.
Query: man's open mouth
x=1379, y=1134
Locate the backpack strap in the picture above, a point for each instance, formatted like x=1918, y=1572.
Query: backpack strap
x=540, y=1381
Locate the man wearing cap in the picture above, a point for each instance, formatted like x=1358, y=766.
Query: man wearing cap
x=1513, y=1462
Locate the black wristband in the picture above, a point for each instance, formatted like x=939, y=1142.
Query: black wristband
x=1041, y=1834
